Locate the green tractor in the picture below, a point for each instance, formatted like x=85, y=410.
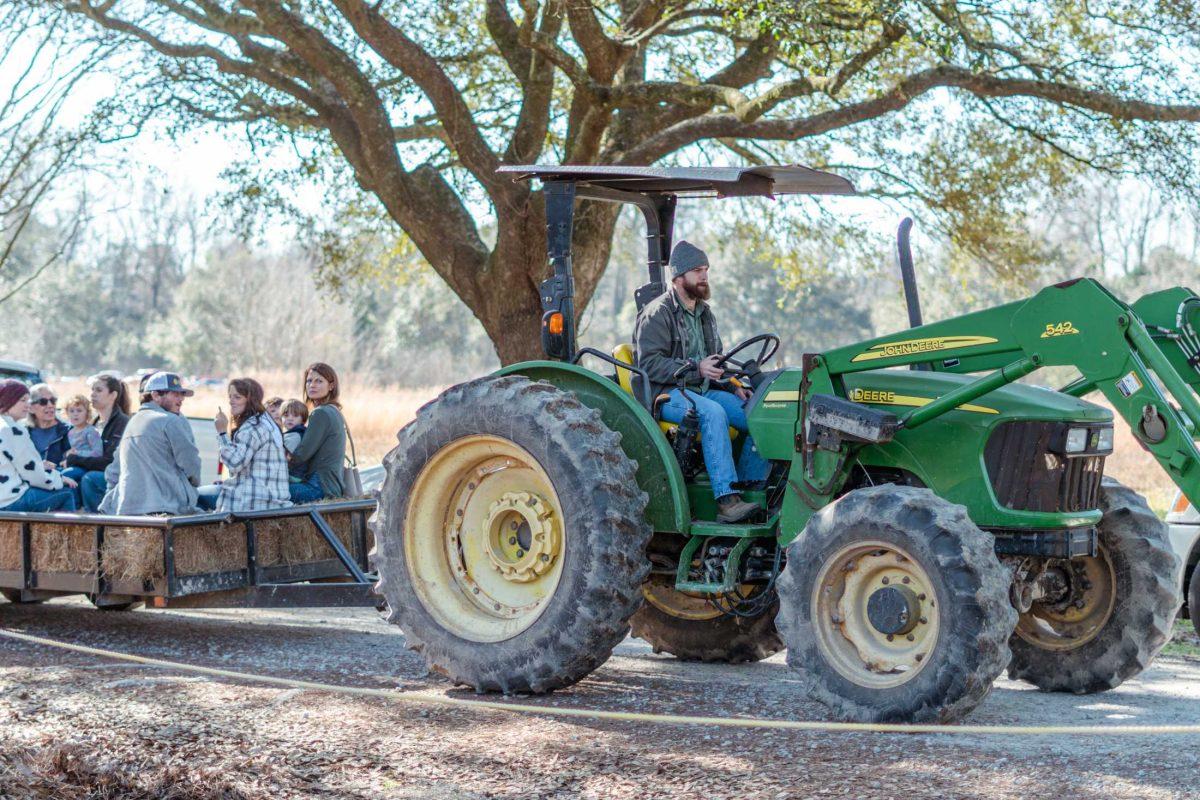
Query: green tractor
x=927, y=522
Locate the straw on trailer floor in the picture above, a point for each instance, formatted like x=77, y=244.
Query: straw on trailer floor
x=10, y=545
x=63, y=548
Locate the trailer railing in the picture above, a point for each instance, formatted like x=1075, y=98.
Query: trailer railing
x=344, y=580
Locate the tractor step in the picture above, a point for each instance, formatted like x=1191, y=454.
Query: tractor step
x=740, y=530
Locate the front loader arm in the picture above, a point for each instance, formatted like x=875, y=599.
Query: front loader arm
x=1078, y=324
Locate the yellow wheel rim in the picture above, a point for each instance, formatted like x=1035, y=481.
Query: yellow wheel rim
x=484, y=538
x=1078, y=620
x=850, y=588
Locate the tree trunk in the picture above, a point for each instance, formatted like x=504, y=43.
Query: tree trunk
x=507, y=290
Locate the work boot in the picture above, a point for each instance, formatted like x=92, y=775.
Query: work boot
x=732, y=508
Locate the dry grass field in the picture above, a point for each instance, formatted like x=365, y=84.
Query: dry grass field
x=375, y=413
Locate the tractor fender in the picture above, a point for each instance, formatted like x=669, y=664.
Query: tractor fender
x=658, y=473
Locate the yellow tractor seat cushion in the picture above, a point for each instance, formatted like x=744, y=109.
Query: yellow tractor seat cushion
x=624, y=354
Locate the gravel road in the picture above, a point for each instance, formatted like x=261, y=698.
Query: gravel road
x=72, y=727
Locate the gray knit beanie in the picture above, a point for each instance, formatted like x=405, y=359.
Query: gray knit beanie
x=685, y=257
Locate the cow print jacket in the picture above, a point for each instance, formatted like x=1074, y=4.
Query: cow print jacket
x=20, y=465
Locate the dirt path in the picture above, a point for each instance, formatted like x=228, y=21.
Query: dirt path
x=69, y=725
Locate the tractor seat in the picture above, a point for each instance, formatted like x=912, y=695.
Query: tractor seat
x=624, y=354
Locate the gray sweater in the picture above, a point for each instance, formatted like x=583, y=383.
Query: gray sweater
x=157, y=467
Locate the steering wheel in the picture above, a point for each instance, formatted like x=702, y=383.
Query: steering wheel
x=750, y=367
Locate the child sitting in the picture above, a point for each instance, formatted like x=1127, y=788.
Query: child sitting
x=83, y=437
x=273, y=406
x=293, y=417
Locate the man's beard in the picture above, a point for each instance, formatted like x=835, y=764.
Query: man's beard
x=699, y=291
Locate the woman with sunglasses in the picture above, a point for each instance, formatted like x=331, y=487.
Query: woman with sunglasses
x=49, y=433
x=25, y=483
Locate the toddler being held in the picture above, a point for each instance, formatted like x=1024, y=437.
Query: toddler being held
x=293, y=418
x=83, y=436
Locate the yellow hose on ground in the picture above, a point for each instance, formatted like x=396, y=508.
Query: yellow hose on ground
x=428, y=698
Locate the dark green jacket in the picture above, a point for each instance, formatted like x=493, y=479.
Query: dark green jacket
x=660, y=342
x=322, y=451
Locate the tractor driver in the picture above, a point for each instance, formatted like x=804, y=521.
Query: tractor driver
x=673, y=329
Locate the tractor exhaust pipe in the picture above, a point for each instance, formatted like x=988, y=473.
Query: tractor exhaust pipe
x=909, y=276
x=904, y=257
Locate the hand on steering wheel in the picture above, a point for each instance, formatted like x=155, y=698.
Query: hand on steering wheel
x=751, y=367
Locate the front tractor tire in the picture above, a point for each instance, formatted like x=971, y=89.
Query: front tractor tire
x=691, y=628
x=1118, y=610
x=894, y=607
x=511, y=539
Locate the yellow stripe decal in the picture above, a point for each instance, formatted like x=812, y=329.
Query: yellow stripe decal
x=878, y=397
x=882, y=397
x=909, y=347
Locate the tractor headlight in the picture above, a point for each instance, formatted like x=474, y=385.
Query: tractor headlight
x=1076, y=440
x=1104, y=442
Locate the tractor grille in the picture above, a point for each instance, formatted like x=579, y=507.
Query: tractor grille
x=1026, y=476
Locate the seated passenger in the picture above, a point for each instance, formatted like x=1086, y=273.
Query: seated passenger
x=322, y=450
x=83, y=437
x=157, y=467
x=671, y=330
x=253, y=453
x=25, y=482
x=274, y=408
x=110, y=399
x=49, y=433
x=293, y=416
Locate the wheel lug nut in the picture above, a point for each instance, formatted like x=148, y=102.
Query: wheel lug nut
x=919, y=657
x=924, y=621
x=905, y=579
x=520, y=553
x=885, y=581
x=921, y=596
x=910, y=637
x=512, y=540
x=890, y=637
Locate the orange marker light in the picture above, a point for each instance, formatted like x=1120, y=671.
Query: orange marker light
x=1181, y=504
x=555, y=324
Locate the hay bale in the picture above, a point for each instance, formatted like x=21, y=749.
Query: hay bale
x=133, y=554
x=63, y=548
x=10, y=545
x=210, y=548
x=287, y=541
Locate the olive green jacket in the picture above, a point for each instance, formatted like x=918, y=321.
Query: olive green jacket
x=660, y=342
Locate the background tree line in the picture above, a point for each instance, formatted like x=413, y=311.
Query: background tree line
x=401, y=110
x=159, y=289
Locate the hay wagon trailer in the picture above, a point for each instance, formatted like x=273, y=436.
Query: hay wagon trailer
x=307, y=556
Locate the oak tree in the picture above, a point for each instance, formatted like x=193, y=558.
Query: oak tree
x=970, y=109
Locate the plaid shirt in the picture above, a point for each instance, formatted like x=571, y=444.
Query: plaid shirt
x=258, y=476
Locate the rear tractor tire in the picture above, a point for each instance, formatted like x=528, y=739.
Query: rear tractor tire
x=511, y=539
x=1119, y=610
x=894, y=607
x=690, y=628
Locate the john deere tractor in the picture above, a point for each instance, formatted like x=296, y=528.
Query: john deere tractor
x=927, y=521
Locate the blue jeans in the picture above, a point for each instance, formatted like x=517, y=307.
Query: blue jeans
x=43, y=500
x=76, y=474
x=719, y=411
x=206, y=497
x=92, y=488
x=308, y=492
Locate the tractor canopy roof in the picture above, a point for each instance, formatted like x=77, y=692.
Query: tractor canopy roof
x=766, y=181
